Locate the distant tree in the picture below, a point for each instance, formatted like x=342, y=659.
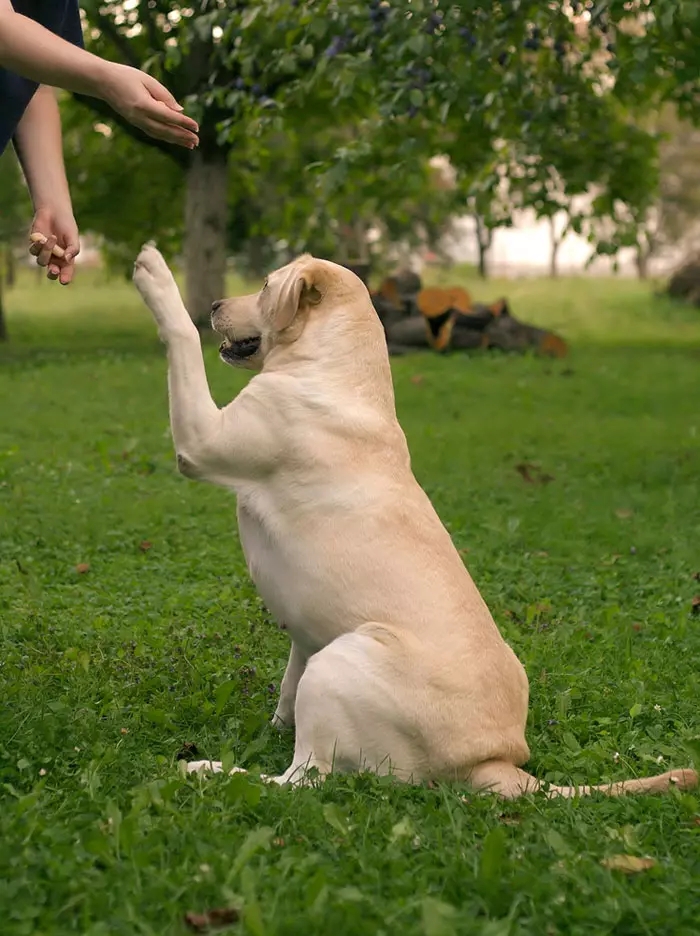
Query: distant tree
x=552, y=85
x=15, y=212
x=674, y=217
x=123, y=191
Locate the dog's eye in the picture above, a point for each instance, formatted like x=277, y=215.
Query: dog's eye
x=265, y=285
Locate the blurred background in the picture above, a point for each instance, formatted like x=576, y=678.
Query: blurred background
x=509, y=140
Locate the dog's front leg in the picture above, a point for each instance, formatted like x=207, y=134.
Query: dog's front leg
x=284, y=713
x=194, y=417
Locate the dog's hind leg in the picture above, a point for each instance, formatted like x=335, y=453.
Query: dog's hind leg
x=348, y=717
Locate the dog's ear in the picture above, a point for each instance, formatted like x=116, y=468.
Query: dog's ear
x=298, y=289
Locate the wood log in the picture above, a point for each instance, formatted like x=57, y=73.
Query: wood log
x=508, y=334
x=685, y=281
x=447, y=319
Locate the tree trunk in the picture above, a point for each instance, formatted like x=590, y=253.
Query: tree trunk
x=256, y=256
x=642, y=262
x=3, y=326
x=484, y=237
x=554, y=253
x=206, y=211
x=10, y=267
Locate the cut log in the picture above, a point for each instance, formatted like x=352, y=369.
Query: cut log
x=408, y=283
x=685, y=281
x=445, y=319
x=435, y=302
x=508, y=334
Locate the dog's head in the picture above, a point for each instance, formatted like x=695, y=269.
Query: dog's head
x=252, y=326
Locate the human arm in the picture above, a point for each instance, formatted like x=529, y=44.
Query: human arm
x=30, y=50
x=40, y=151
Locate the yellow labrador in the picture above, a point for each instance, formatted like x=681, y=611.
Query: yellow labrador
x=396, y=664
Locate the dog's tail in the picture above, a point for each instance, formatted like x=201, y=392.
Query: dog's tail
x=510, y=781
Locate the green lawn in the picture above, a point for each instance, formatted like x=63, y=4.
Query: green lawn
x=107, y=672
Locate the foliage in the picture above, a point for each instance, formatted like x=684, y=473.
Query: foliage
x=162, y=640
x=510, y=90
x=15, y=206
x=122, y=190
x=15, y=214
x=674, y=217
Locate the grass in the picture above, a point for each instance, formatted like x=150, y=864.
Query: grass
x=107, y=672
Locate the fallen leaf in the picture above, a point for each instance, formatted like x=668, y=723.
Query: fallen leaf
x=695, y=605
x=523, y=470
x=623, y=513
x=221, y=916
x=417, y=379
x=145, y=546
x=531, y=474
x=696, y=576
x=542, y=554
x=629, y=864
x=464, y=551
x=82, y=568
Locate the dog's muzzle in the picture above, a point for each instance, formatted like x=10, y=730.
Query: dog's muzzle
x=233, y=351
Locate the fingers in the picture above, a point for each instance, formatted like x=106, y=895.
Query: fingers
x=43, y=257
x=38, y=243
x=163, y=114
x=169, y=133
x=59, y=261
x=171, y=112
x=161, y=93
x=66, y=273
x=72, y=249
x=68, y=268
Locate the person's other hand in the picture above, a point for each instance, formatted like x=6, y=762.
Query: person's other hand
x=146, y=104
x=59, y=228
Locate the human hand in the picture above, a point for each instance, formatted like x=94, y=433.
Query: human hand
x=146, y=104
x=55, y=242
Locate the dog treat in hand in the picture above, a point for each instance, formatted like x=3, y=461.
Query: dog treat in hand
x=38, y=238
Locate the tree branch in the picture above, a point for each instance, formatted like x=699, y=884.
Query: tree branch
x=155, y=38
x=104, y=110
x=108, y=29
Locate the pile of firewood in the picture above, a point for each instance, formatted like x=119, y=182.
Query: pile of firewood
x=685, y=281
x=448, y=319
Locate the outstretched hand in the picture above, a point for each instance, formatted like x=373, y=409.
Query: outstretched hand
x=146, y=104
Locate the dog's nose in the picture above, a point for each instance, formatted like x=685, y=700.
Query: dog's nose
x=215, y=305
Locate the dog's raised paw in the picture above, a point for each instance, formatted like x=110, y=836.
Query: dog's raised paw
x=150, y=260
x=155, y=282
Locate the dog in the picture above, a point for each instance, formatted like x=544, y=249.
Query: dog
x=396, y=665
